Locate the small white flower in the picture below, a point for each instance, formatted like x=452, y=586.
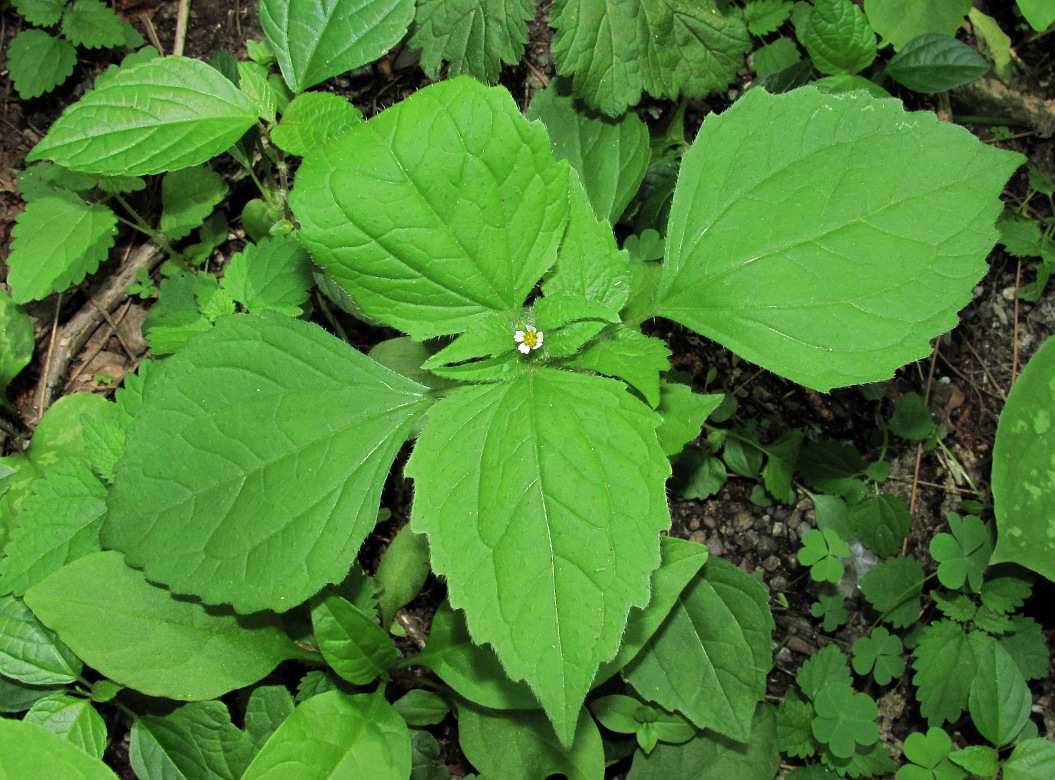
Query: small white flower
x=528, y=339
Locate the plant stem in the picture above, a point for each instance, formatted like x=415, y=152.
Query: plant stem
x=156, y=235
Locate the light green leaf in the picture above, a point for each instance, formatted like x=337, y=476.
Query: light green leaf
x=475, y=36
x=710, y=658
x=197, y=740
x=472, y=670
x=882, y=522
x=684, y=413
x=43, y=13
x=994, y=43
x=16, y=341
x=668, y=48
x=713, y=757
x=629, y=355
x=1032, y=759
x=765, y=16
x=314, y=40
x=188, y=197
x=936, y=63
x=334, y=735
x=609, y=155
x=93, y=25
x=1000, y=700
x=549, y=575
x=59, y=240
x=73, y=719
x=440, y=169
x=58, y=524
x=30, y=652
x=402, y=572
x=273, y=275
x=1024, y=468
x=829, y=296
x=138, y=635
x=521, y=745
x=39, y=62
x=284, y=436
x=252, y=81
x=838, y=37
x=161, y=115
x=351, y=641
x=43, y=754
x=775, y=57
x=268, y=707
x=1039, y=13
x=898, y=22
x=312, y=120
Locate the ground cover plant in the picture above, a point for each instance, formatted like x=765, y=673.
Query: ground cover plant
x=188, y=559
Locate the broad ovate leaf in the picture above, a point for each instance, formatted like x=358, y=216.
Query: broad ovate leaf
x=254, y=468
x=138, y=635
x=542, y=499
x=1024, y=468
x=161, y=115
x=33, y=751
x=335, y=735
x=898, y=22
x=443, y=207
x=795, y=243
x=314, y=40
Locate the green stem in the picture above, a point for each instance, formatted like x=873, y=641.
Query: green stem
x=141, y=223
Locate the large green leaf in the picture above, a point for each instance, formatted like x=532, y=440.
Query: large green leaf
x=1024, y=468
x=197, y=740
x=254, y=468
x=161, y=115
x=710, y=658
x=317, y=39
x=138, y=635
x=542, y=499
x=445, y=206
x=1039, y=13
x=39, y=753
x=474, y=36
x=794, y=242
x=1000, y=699
x=614, y=49
x=899, y=22
x=333, y=735
x=609, y=155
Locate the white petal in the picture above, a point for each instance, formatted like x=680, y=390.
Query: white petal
x=518, y=336
x=538, y=339
x=524, y=348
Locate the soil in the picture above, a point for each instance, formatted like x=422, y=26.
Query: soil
x=965, y=380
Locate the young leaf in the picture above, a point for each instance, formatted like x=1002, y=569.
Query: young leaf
x=16, y=342
x=683, y=412
x=893, y=589
x=880, y=653
x=138, y=635
x=898, y=23
x=765, y=16
x=284, y=436
x=273, y=275
x=421, y=708
x=821, y=550
x=39, y=62
x=794, y=721
x=59, y=240
x=628, y=355
x=474, y=36
x=777, y=56
x=521, y=745
x=838, y=38
x=43, y=13
x=832, y=608
x=351, y=641
x=93, y=25
x=160, y=115
x=1023, y=460
x=188, y=197
x=72, y=718
x=616, y=50
x=1032, y=759
x=929, y=754
x=252, y=81
x=267, y=709
x=59, y=523
x=313, y=119
x=195, y=740
x=912, y=419
x=827, y=667
x=710, y=658
x=1025, y=642
x=936, y=63
x=43, y=754
x=609, y=155
x=314, y=41
x=29, y=651
x=469, y=246
x=402, y=571
x=963, y=555
x=943, y=646
x=826, y=297
x=556, y=442
x=882, y=522
x=1000, y=700
x=845, y=720
x=333, y=734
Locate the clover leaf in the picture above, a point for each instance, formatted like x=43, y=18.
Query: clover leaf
x=831, y=607
x=963, y=555
x=820, y=550
x=929, y=754
x=844, y=720
x=881, y=654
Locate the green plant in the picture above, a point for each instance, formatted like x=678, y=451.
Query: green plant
x=205, y=526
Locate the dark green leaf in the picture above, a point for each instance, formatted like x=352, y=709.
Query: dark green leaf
x=935, y=63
